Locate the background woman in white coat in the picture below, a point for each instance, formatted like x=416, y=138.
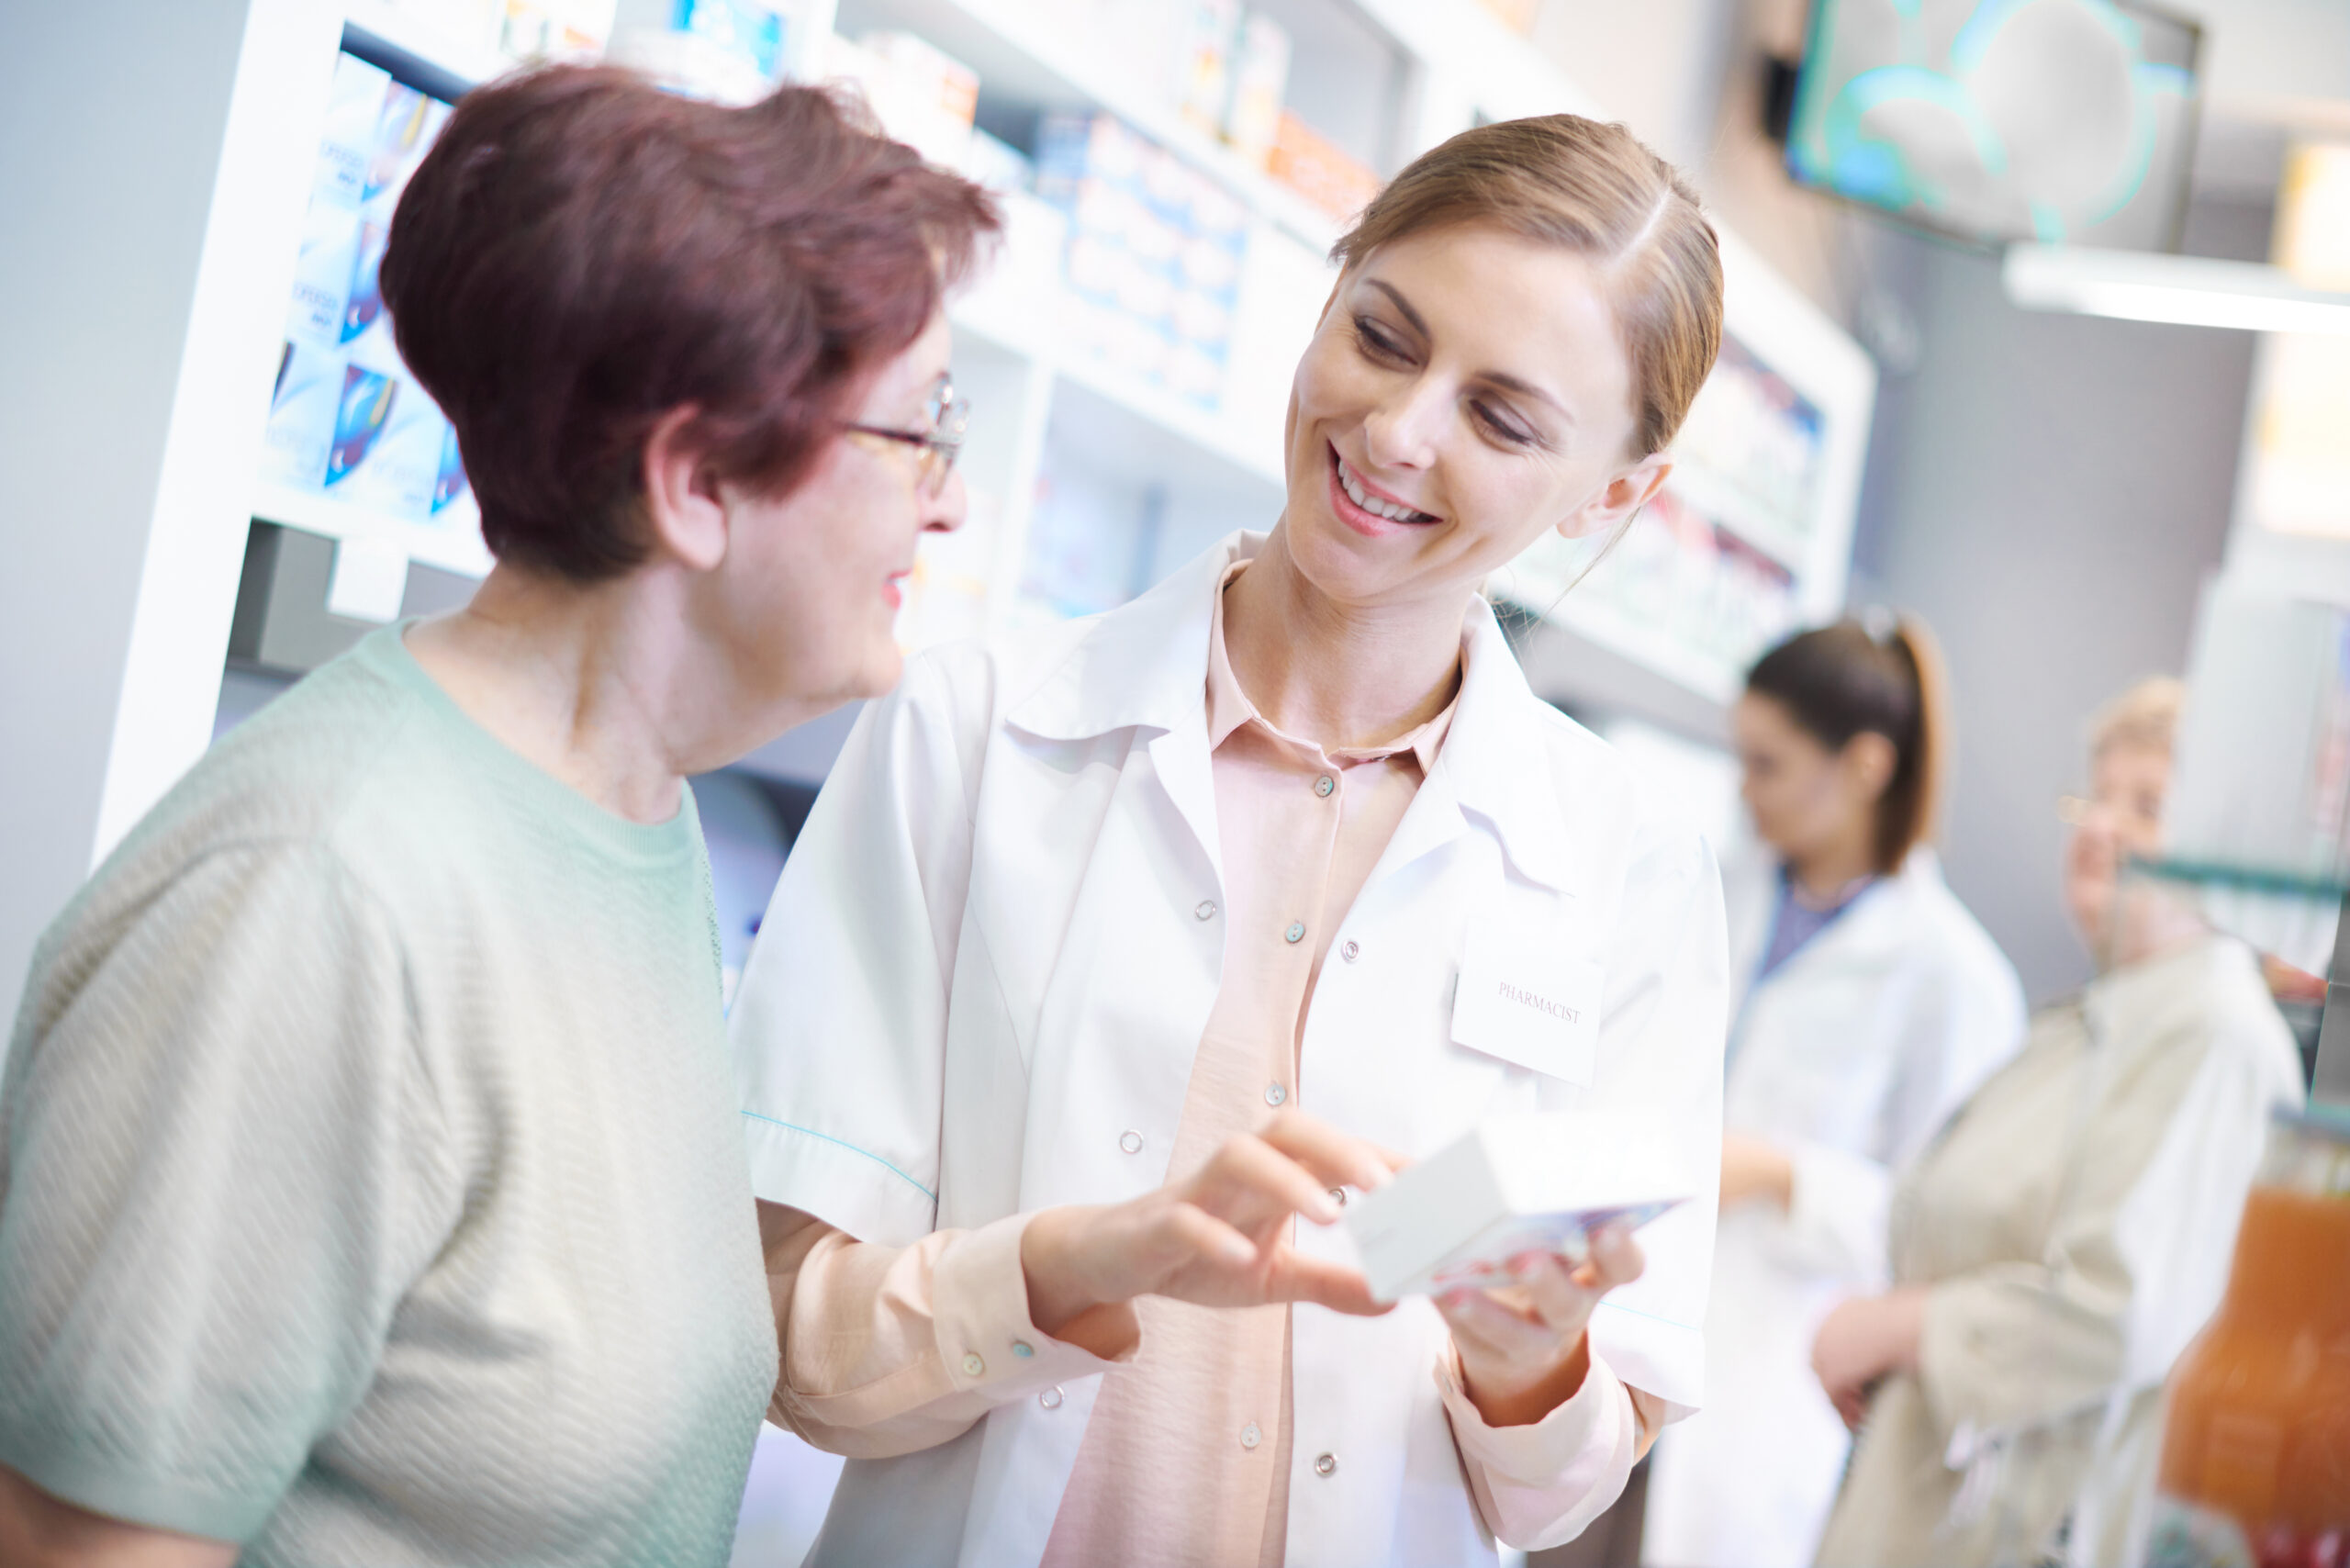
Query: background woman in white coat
x=1873, y=1003
x=1108, y=952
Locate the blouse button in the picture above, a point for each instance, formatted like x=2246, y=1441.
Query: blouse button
x=1351, y=951
x=973, y=1365
x=1206, y=910
x=1275, y=1093
x=1296, y=932
x=1022, y=1349
x=1324, y=785
x=1050, y=1399
x=1327, y=1464
x=1250, y=1437
x=1131, y=1141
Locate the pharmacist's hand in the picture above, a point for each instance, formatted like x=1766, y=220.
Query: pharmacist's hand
x=1861, y=1341
x=1219, y=1237
x=1523, y=1349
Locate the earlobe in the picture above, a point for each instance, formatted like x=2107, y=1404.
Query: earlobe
x=1620, y=499
x=685, y=510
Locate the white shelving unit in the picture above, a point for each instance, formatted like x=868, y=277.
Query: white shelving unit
x=1049, y=419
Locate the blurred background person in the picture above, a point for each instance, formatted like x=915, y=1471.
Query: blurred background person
x=372, y=1189
x=1873, y=1003
x=2059, y=1244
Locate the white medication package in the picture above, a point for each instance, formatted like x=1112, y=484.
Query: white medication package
x=1517, y=1184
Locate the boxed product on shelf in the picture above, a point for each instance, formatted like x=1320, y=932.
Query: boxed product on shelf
x=346, y=420
x=998, y=165
x=1260, y=82
x=1204, y=58
x=570, y=31
x=745, y=30
x=924, y=96
x=302, y=409
x=1154, y=253
x=1317, y=169
x=388, y=446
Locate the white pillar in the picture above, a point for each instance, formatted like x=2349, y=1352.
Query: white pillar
x=155, y=165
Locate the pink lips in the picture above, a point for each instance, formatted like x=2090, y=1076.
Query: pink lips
x=1368, y=524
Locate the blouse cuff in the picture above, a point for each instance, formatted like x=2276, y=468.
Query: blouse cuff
x=1539, y=1484
x=987, y=1341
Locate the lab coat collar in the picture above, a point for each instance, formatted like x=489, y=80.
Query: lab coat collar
x=1498, y=762
x=1145, y=664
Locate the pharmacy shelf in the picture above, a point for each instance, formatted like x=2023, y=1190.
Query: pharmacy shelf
x=1715, y=680
x=461, y=63
x=453, y=543
x=1163, y=420
x=1020, y=54
x=1722, y=499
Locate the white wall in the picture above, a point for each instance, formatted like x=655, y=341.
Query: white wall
x=2048, y=491
x=141, y=299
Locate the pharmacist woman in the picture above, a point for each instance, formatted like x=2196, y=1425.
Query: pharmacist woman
x=1873, y=1003
x=1109, y=953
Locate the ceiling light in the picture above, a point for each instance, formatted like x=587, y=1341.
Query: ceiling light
x=2188, y=291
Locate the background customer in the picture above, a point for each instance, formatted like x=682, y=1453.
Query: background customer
x=2067, y=1234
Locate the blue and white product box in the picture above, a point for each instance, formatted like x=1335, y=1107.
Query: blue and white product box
x=364, y=333
x=301, y=417
x=450, y=484
x=1517, y=1184
x=322, y=274
x=744, y=30
x=398, y=467
x=406, y=127
x=354, y=105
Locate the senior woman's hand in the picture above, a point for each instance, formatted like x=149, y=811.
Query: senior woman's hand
x=1524, y=1348
x=1219, y=1237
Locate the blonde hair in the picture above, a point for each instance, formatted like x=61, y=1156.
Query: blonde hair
x=1594, y=189
x=2145, y=716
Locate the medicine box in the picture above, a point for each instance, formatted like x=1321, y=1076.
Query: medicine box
x=1525, y=1183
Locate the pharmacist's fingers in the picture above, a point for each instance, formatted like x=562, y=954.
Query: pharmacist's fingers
x=1182, y=1234
x=1553, y=1291
x=1248, y=1175
x=1338, y=1159
x=1325, y=1283
x=1615, y=1259
x=1479, y=1322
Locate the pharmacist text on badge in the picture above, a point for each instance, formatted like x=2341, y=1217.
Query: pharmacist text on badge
x=1525, y=999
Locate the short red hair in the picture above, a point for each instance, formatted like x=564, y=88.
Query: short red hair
x=581, y=254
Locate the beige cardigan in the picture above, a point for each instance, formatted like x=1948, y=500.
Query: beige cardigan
x=2073, y=1222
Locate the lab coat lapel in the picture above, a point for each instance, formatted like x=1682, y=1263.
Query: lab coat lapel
x=1143, y=666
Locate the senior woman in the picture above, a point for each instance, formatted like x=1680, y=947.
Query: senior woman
x=2069, y=1229
x=370, y=1190
x=1108, y=952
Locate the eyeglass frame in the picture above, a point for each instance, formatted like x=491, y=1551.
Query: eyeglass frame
x=941, y=444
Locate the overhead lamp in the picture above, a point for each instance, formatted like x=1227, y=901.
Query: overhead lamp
x=2188, y=291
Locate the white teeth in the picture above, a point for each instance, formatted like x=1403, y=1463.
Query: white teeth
x=1372, y=504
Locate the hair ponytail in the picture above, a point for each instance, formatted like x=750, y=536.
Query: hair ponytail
x=1853, y=678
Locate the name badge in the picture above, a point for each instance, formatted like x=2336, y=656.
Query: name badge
x=1524, y=999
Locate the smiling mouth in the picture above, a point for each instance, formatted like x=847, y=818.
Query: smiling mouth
x=1372, y=501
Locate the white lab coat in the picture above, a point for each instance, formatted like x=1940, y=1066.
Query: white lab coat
x=1850, y=1055
x=995, y=947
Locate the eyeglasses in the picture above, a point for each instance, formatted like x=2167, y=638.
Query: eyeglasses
x=948, y=417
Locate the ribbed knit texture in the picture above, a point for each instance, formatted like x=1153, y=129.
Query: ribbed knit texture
x=370, y=1185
